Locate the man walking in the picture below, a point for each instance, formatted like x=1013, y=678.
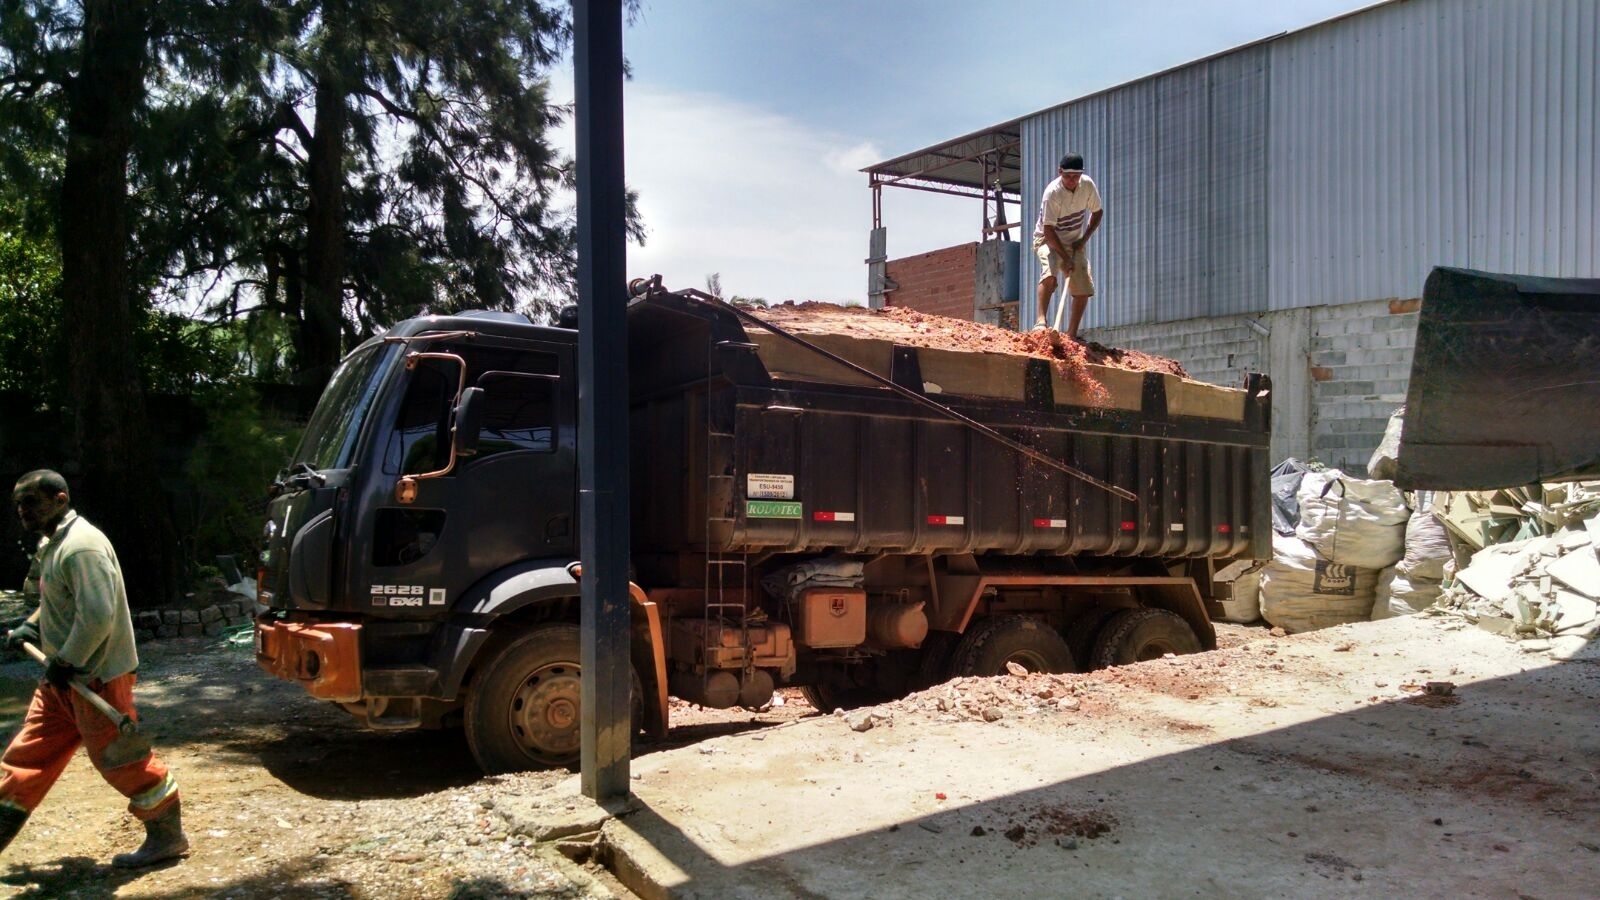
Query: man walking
x=84, y=626
x=1069, y=214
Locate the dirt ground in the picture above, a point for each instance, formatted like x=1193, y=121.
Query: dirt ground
x=285, y=797
x=1413, y=757
x=1320, y=739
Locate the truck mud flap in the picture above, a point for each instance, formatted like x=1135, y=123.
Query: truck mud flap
x=1505, y=381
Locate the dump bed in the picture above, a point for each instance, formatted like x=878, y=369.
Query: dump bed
x=747, y=441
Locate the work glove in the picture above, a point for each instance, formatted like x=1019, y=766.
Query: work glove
x=60, y=673
x=27, y=631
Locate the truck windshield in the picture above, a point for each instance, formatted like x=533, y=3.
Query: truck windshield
x=331, y=434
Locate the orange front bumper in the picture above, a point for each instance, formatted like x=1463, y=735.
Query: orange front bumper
x=324, y=657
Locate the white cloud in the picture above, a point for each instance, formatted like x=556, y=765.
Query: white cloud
x=778, y=210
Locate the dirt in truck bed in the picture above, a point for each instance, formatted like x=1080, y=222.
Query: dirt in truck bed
x=919, y=329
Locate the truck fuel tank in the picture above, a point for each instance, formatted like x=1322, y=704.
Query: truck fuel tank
x=896, y=626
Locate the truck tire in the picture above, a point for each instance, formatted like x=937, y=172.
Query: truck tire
x=934, y=666
x=1028, y=642
x=1083, y=630
x=826, y=699
x=1137, y=635
x=523, y=710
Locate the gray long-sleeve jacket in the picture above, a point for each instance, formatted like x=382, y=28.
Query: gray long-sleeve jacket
x=83, y=608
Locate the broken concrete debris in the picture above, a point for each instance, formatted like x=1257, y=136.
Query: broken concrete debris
x=1534, y=571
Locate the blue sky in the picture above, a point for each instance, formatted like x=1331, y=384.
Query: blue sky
x=748, y=120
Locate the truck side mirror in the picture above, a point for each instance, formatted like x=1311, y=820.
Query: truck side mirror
x=469, y=419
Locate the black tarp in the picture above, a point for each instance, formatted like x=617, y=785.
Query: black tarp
x=1505, y=382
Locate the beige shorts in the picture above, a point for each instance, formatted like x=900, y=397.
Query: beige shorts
x=1080, y=281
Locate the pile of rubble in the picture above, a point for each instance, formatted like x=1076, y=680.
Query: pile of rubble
x=976, y=699
x=1534, y=569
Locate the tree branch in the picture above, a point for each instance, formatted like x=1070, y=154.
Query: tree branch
x=389, y=106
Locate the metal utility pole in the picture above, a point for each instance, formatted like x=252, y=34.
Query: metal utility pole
x=607, y=726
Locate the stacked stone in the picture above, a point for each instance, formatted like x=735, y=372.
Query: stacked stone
x=210, y=621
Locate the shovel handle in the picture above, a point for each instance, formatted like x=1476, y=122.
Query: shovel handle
x=111, y=712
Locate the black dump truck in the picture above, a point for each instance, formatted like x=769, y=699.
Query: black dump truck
x=835, y=512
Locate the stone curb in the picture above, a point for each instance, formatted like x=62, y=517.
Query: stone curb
x=208, y=621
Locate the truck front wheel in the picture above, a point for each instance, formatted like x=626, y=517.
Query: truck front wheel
x=523, y=711
x=992, y=643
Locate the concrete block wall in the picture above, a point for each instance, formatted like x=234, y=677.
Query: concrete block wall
x=942, y=282
x=1219, y=351
x=1337, y=372
x=1359, y=364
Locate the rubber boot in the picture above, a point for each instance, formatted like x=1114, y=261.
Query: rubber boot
x=163, y=840
x=12, y=818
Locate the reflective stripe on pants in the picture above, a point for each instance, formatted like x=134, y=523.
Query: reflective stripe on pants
x=56, y=723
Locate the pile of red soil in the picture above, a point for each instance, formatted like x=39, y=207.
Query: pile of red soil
x=917, y=329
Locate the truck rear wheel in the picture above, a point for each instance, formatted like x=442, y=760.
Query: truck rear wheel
x=933, y=667
x=827, y=698
x=1030, y=643
x=524, y=710
x=1137, y=635
x=1081, y=633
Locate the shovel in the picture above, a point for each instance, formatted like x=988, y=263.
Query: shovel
x=1061, y=304
x=130, y=746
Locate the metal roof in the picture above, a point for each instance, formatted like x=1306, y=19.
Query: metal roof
x=961, y=166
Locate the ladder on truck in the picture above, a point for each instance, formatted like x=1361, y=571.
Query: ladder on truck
x=727, y=573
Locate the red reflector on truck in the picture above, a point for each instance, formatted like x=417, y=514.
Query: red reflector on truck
x=821, y=516
x=947, y=520
x=1129, y=526
x=1224, y=529
x=1049, y=523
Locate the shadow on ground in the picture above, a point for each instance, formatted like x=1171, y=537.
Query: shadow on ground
x=1492, y=791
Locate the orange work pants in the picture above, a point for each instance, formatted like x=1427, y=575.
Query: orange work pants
x=57, y=722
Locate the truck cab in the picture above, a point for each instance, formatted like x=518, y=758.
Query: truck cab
x=395, y=541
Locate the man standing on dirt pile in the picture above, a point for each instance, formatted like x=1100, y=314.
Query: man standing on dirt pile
x=84, y=626
x=1069, y=213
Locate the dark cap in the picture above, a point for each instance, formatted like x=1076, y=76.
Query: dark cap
x=1072, y=162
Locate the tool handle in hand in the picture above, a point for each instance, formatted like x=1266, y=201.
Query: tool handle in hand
x=111, y=712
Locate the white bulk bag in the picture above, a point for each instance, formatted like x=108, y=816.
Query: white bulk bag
x=1353, y=521
x=1399, y=594
x=1300, y=591
x=1427, y=542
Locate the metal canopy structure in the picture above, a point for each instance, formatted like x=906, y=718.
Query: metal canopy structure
x=985, y=164
x=967, y=166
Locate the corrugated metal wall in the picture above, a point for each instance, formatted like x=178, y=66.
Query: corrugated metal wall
x=1342, y=162
x=1180, y=161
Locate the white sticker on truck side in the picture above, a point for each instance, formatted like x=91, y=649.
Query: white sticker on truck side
x=769, y=487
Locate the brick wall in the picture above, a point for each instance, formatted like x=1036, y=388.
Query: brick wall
x=1337, y=371
x=942, y=282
